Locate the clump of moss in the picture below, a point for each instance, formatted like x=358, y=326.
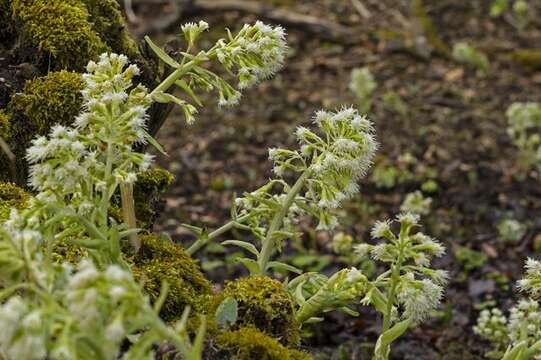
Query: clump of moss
x=249, y=343
x=11, y=197
x=264, y=303
x=106, y=19
x=161, y=260
x=49, y=100
x=5, y=131
x=148, y=195
x=60, y=28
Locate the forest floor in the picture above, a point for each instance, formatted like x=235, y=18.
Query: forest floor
x=441, y=126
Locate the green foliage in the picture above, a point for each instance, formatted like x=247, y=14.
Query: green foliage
x=60, y=28
x=48, y=100
x=524, y=123
x=264, y=303
x=511, y=230
x=529, y=58
x=363, y=84
x=470, y=259
x=160, y=260
x=467, y=54
x=248, y=343
x=107, y=21
x=416, y=203
x=516, y=336
x=11, y=197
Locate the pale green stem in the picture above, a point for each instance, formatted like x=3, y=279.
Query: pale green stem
x=202, y=241
x=276, y=223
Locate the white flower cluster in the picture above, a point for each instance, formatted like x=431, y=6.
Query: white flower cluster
x=419, y=288
x=531, y=283
x=75, y=314
x=192, y=30
x=522, y=328
x=525, y=322
x=23, y=334
x=522, y=325
x=524, y=122
x=336, y=160
x=492, y=325
x=257, y=52
x=99, y=145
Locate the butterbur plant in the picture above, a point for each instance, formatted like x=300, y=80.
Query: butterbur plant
x=409, y=289
x=363, y=84
x=254, y=54
x=51, y=309
x=524, y=122
x=518, y=335
x=327, y=167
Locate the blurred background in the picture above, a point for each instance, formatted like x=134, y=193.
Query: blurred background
x=436, y=77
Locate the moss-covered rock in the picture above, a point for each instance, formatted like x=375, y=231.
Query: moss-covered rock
x=161, y=260
x=49, y=100
x=148, y=195
x=264, y=303
x=60, y=29
x=248, y=343
x=5, y=122
x=11, y=197
x=44, y=102
x=107, y=21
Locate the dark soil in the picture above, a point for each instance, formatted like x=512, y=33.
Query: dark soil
x=455, y=128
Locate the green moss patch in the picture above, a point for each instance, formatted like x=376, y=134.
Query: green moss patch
x=11, y=197
x=248, y=343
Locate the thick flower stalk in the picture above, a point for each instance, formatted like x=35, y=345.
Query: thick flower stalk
x=254, y=54
x=518, y=336
x=328, y=166
x=409, y=290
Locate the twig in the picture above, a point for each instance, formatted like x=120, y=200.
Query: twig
x=363, y=11
x=128, y=212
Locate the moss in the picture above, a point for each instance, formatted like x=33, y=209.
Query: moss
x=161, y=260
x=11, y=197
x=49, y=100
x=530, y=58
x=107, y=21
x=249, y=343
x=5, y=121
x=264, y=303
x=148, y=195
x=61, y=29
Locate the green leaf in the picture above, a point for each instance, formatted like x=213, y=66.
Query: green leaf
x=227, y=312
x=516, y=352
x=165, y=98
x=162, y=54
x=378, y=300
x=182, y=84
x=195, y=229
x=299, y=296
x=313, y=320
x=154, y=143
x=395, y=332
x=282, y=266
x=251, y=265
x=242, y=244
